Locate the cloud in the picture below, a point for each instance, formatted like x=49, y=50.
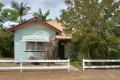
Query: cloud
x=53, y=5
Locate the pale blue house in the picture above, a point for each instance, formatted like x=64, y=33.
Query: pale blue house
x=37, y=39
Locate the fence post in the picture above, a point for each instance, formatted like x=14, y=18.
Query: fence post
x=21, y=65
x=83, y=65
x=68, y=65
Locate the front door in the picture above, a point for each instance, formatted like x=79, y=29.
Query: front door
x=61, y=50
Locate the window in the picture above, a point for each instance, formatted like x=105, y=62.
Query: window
x=30, y=46
x=34, y=46
x=39, y=46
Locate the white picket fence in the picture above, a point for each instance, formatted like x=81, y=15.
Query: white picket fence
x=21, y=67
x=99, y=66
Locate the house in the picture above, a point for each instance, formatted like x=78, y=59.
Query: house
x=37, y=39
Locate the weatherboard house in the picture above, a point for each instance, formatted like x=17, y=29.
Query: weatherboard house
x=38, y=39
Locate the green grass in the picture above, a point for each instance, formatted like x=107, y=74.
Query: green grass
x=6, y=58
x=75, y=63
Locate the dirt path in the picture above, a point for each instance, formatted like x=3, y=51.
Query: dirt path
x=62, y=75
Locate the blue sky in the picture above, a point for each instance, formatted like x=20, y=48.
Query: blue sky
x=53, y=5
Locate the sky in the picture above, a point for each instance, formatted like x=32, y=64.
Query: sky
x=53, y=5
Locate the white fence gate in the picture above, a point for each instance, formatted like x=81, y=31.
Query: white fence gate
x=99, y=66
x=21, y=67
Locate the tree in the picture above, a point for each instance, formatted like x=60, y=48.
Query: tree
x=92, y=24
x=9, y=15
x=1, y=5
x=41, y=15
x=6, y=43
x=22, y=9
x=6, y=38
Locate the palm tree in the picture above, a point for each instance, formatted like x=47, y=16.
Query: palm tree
x=41, y=15
x=22, y=9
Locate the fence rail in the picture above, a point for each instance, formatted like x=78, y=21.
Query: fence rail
x=21, y=67
x=99, y=66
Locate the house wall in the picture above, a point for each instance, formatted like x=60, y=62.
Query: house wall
x=28, y=30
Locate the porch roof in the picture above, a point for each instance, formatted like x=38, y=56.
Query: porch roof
x=63, y=37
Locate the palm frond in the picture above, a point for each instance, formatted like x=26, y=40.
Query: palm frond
x=46, y=14
x=15, y=5
x=22, y=8
x=41, y=15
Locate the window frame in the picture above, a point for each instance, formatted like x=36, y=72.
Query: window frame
x=35, y=47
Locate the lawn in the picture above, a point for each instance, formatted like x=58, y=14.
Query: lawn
x=62, y=75
x=6, y=58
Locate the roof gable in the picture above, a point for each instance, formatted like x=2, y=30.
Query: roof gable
x=34, y=20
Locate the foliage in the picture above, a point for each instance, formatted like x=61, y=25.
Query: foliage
x=6, y=43
x=9, y=15
x=41, y=15
x=94, y=26
x=21, y=8
x=76, y=63
x=1, y=5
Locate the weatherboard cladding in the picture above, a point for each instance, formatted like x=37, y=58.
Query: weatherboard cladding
x=29, y=30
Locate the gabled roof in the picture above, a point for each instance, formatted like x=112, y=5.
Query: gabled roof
x=56, y=24
x=60, y=27
x=21, y=25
